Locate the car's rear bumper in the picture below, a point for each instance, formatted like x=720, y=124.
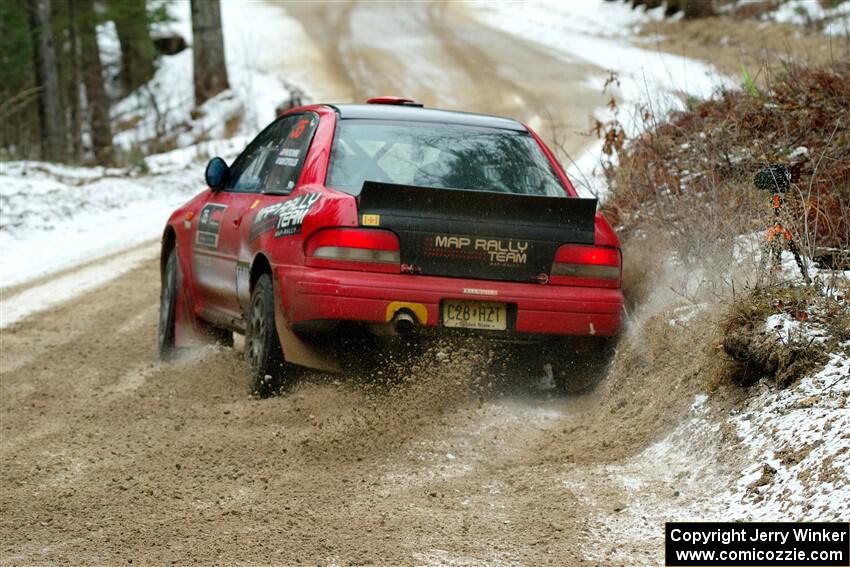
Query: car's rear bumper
x=311, y=294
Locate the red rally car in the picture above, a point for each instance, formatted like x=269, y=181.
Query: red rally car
x=396, y=219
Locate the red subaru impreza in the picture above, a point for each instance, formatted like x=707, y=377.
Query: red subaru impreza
x=396, y=220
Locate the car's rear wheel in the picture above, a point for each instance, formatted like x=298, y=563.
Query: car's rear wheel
x=221, y=337
x=580, y=372
x=262, y=346
x=168, y=308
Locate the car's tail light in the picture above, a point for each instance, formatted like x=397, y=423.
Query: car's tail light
x=354, y=249
x=596, y=266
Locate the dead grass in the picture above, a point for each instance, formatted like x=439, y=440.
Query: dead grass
x=756, y=352
x=763, y=48
x=684, y=191
x=692, y=175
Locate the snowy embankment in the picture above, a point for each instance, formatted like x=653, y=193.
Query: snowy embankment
x=165, y=107
x=603, y=33
x=774, y=454
x=57, y=217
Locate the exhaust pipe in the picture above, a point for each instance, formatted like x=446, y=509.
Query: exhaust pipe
x=404, y=323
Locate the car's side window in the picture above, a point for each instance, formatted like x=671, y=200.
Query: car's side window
x=245, y=173
x=285, y=166
x=272, y=162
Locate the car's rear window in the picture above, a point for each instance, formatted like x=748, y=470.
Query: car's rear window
x=452, y=156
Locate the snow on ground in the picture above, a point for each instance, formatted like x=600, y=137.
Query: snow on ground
x=675, y=479
x=56, y=217
x=252, y=39
x=793, y=463
x=835, y=20
x=15, y=307
x=797, y=442
x=780, y=455
x=598, y=32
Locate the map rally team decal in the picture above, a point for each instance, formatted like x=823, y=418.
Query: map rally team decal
x=285, y=217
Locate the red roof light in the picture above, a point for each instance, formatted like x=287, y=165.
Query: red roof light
x=393, y=100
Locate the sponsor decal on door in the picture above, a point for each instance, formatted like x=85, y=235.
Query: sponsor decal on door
x=209, y=227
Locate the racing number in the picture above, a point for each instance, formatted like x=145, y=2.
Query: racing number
x=299, y=128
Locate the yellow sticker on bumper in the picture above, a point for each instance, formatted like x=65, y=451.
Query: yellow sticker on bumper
x=370, y=220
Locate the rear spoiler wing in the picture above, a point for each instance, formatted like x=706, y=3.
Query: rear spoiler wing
x=409, y=208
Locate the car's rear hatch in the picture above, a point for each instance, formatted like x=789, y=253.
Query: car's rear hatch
x=476, y=234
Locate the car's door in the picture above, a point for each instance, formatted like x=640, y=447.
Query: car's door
x=218, y=235
x=278, y=211
x=211, y=259
x=266, y=171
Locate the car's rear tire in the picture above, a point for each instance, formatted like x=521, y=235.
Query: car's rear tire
x=580, y=372
x=262, y=345
x=221, y=337
x=168, y=309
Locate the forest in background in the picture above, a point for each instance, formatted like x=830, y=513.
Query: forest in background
x=57, y=87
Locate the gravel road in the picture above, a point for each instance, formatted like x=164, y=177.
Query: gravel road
x=439, y=54
x=109, y=456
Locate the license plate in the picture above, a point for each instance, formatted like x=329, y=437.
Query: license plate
x=475, y=315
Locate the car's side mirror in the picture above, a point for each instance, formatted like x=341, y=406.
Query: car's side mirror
x=217, y=173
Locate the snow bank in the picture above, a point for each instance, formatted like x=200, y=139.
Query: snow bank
x=797, y=442
x=55, y=291
x=55, y=217
x=778, y=454
x=782, y=456
x=598, y=32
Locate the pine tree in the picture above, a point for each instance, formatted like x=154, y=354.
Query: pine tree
x=137, y=49
x=19, y=121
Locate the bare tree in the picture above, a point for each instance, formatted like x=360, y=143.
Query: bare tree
x=92, y=71
x=51, y=117
x=208, y=50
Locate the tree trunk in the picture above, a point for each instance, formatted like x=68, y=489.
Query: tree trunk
x=137, y=49
x=70, y=60
x=698, y=8
x=51, y=118
x=208, y=50
x=98, y=103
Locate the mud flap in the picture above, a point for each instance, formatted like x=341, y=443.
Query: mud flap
x=295, y=349
x=188, y=330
